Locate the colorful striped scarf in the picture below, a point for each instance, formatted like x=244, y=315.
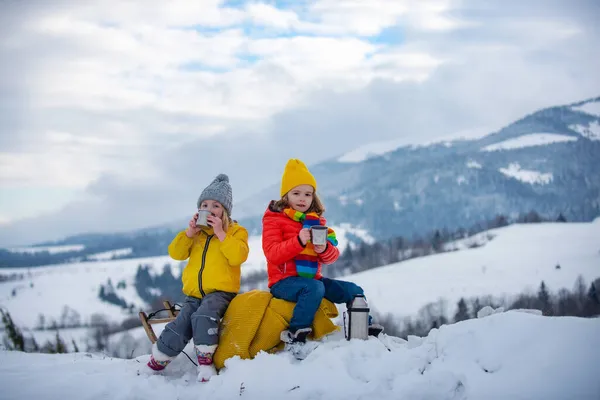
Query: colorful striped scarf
x=307, y=263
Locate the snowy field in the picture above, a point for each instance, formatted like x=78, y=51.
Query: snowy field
x=509, y=261
x=518, y=258
x=511, y=355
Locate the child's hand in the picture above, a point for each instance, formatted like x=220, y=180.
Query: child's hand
x=304, y=236
x=319, y=248
x=192, y=230
x=216, y=223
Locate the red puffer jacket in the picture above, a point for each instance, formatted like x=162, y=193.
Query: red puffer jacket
x=281, y=244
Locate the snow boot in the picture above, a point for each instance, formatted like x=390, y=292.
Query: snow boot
x=374, y=329
x=206, y=368
x=295, y=342
x=158, y=359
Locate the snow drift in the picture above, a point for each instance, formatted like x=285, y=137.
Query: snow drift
x=501, y=356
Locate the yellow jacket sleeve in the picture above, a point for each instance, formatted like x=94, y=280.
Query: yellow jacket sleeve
x=180, y=247
x=235, y=246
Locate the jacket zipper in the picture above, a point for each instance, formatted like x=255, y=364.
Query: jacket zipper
x=202, y=265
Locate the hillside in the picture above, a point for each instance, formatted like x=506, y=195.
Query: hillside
x=502, y=356
x=517, y=259
x=548, y=161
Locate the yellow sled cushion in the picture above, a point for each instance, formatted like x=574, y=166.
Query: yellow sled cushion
x=254, y=320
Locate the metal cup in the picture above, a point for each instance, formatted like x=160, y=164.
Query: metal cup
x=318, y=235
x=202, y=218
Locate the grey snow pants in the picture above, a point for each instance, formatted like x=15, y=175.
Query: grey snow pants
x=198, y=318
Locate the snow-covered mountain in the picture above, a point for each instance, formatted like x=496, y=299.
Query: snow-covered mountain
x=512, y=355
x=548, y=161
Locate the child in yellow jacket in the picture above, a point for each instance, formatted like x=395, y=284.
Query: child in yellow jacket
x=211, y=279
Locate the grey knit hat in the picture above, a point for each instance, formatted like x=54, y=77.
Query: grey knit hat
x=219, y=190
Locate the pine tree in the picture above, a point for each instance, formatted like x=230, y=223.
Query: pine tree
x=14, y=333
x=462, y=313
x=580, y=294
x=437, y=242
x=476, y=307
x=544, y=299
x=591, y=307
x=60, y=345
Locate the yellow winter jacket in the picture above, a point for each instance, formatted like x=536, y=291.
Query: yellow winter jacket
x=254, y=320
x=213, y=265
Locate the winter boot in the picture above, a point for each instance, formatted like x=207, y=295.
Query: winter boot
x=295, y=342
x=158, y=359
x=206, y=368
x=374, y=329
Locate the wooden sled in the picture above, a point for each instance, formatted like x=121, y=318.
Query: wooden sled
x=148, y=321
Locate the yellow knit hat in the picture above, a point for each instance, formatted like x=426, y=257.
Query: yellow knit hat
x=296, y=174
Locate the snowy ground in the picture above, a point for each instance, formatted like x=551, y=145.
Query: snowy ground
x=518, y=258
x=512, y=355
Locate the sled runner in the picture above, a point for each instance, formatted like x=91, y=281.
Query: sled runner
x=148, y=321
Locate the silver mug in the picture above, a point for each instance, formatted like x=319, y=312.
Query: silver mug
x=203, y=218
x=318, y=235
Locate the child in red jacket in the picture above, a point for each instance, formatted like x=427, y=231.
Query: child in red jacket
x=293, y=262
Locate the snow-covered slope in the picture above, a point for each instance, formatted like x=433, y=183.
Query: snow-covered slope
x=47, y=290
x=518, y=258
x=503, y=356
x=49, y=249
x=533, y=139
x=514, y=170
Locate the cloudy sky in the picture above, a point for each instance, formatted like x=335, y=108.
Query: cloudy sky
x=114, y=115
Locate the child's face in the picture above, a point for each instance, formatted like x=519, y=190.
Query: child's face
x=213, y=206
x=300, y=198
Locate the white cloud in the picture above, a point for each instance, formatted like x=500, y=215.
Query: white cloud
x=266, y=14
x=153, y=93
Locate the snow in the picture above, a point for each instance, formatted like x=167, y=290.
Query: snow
x=502, y=356
x=109, y=255
x=592, y=108
x=479, y=239
x=524, y=175
x=47, y=290
x=375, y=149
x=592, y=131
x=534, y=139
x=343, y=230
x=473, y=164
x=371, y=150
x=518, y=258
x=49, y=249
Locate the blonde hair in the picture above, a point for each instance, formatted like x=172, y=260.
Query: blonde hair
x=227, y=221
x=316, y=206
